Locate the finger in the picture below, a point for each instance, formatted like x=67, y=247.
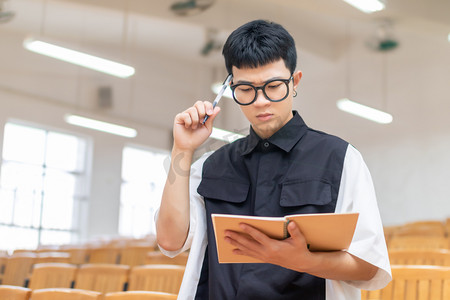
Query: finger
x=255, y=233
x=242, y=240
x=295, y=232
x=193, y=113
x=201, y=109
x=184, y=119
x=241, y=249
x=211, y=117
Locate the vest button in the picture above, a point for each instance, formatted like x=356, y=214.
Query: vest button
x=266, y=144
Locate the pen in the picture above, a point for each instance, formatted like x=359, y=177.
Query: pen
x=219, y=95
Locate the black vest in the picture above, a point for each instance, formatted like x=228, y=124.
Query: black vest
x=297, y=170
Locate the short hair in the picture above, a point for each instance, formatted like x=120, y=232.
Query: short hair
x=258, y=43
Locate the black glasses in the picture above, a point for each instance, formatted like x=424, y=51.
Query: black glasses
x=275, y=90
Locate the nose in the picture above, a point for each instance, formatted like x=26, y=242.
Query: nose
x=261, y=99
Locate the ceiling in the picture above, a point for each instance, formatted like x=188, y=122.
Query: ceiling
x=333, y=38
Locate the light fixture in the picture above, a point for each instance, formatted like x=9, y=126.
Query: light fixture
x=79, y=58
x=364, y=111
x=367, y=6
x=224, y=135
x=448, y=37
x=100, y=126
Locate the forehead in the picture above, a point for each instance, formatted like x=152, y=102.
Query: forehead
x=261, y=74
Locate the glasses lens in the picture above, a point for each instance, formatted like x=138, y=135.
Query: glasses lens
x=244, y=93
x=276, y=90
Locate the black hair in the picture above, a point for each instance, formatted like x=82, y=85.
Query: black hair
x=258, y=43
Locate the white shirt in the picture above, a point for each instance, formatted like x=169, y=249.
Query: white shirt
x=356, y=194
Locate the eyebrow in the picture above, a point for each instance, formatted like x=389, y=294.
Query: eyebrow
x=249, y=82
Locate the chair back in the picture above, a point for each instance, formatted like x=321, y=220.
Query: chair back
x=437, y=257
x=52, y=257
x=160, y=278
x=414, y=283
x=140, y=295
x=10, y=292
x=65, y=294
x=103, y=255
x=18, y=268
x=52, y=275
x=78, y=255
x=156, y=257
x=102, y=278
x=134, y=255
x=418, y=242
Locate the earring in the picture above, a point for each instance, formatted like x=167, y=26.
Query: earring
x=295, y=93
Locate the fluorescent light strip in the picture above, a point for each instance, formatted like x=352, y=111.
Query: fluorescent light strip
x=224, y=135
x=367, y=6
x=364, y=111
x=79, y=58
x=101, y=126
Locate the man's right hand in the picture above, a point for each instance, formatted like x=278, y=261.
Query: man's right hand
x=188, y=131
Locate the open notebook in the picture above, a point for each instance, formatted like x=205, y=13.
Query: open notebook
x=323, y=232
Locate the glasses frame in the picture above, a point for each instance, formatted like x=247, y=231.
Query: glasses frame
x=263, y=89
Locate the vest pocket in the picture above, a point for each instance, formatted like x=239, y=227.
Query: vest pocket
x=223, y=189
x=309, y=192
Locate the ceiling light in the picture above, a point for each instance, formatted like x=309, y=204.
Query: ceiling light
x=224, y=135
x=216, y=87
x=367, y=6
x=100, y=126
x=79, y=58
x=364, y=111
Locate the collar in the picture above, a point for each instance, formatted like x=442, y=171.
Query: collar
x=285, y=138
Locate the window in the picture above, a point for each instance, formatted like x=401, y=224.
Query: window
x=143, y=179
x=40, y=181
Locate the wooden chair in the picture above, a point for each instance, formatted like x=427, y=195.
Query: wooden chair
x=10, y=292
x=418, y=242
x=18, y=268
x=140, y=295
x=160, y=278
x=3, y=259
x=65, y=294
x=78, y=255
x=102, y=278
x=414, y=283
x=428, y=228
x=435, y=257
x=156, y=257
x=103, y=255
x=52, y=257
x=135, y=255
x=52, y=275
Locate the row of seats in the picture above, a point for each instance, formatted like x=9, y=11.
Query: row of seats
x=432, y=234
x=14, y=268
x=130, y=255
x=414, y=282
x=105, y=278
x=20, y=293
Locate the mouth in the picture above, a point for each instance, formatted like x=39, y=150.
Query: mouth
x=264, y=116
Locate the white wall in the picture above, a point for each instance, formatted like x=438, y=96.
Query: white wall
x=99, y=215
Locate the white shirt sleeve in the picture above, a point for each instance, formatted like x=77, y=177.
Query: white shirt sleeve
x=357, y=194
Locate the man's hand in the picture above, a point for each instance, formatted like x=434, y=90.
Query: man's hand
x=188, y=131
x=292, y=253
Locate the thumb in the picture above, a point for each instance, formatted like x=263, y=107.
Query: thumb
x=295, y=232
x=211, y=118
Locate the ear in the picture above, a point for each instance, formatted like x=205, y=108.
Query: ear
x=297, y=76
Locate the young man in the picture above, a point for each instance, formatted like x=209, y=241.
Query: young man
x=282, y=167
